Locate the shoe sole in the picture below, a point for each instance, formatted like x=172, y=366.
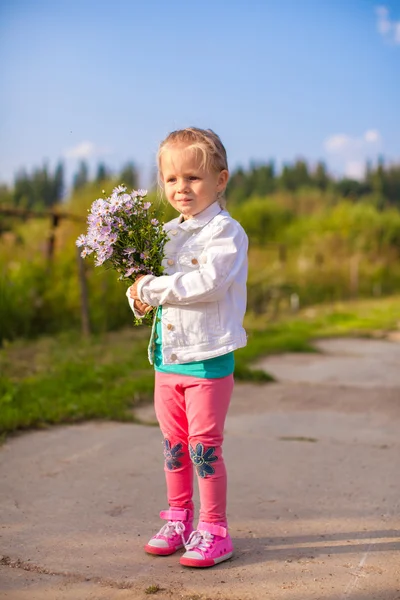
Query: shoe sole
x=207, y=562
x=161, y=551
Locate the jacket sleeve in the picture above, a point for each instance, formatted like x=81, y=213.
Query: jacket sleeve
x=225, y=257
x=131, y=301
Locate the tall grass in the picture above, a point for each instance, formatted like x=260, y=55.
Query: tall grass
x=308, y=245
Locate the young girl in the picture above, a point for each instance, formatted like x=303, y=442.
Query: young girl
x=201, y=302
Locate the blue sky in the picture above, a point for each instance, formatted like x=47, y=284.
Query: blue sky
x=276, y=79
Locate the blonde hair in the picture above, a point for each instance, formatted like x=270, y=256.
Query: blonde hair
x=205, y=141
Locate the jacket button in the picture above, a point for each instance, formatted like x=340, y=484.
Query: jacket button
x=174, y=232
x=170, y=262
x=173, y=357
x=194, y=261
x=170, y=326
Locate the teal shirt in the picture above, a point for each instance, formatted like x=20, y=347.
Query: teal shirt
x=212, y=368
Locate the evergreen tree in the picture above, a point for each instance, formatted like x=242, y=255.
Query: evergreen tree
x=301, y=176
x=23, y=196
x=391, y=185
x=6, y=195
x=41, y=186
x=287, y=180
x=262, y=179
x=58, y=183
x=378, y=178
x=236, y=189
x=129, y=176
x=103, y=173
x=81, y=178
x=352, y=188
x=321, y=177
x=41, y=189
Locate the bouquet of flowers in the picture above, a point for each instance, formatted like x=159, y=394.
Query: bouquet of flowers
x=124, y=235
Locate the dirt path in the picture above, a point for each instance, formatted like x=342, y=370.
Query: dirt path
x=314, y=494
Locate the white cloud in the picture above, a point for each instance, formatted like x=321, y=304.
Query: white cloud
x=341, y=143
x=388, y=28
x=372, y=136
x=383, y=22
x=338, y=142
x=355, y=169
x=84, y=150
x=350, y=153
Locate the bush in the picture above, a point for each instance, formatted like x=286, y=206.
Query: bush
x=262, y=219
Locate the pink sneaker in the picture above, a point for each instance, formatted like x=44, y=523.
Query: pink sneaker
x=209, y=545
x=171, y=536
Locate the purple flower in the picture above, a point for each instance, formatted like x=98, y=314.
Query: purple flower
x=98, y=206
x=115, y=203
x=100, y=258
x=103, y=255
x=129, y=272
x=92, y=240
x=105, y=230
x=113, y=224
x=81, y=241
x=94, y=222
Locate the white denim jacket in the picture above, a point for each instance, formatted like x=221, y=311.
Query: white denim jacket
x=203, y=291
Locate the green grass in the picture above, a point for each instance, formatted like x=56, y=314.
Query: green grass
x=152, y=589
x=67, y=379
x=363, y=318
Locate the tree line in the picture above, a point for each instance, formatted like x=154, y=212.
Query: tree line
x=44, y=188
x=262, y=179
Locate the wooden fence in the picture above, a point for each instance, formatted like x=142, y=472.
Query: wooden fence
x=55, y=217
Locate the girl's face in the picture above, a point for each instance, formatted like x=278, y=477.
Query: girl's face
x=188, y=186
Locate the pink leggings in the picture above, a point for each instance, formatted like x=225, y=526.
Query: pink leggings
x=191, y=412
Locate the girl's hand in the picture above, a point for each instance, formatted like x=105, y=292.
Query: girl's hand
x=141, y=307
x=133, y=289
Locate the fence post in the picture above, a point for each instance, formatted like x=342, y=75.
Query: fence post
x=84, y=295
x=55, y=219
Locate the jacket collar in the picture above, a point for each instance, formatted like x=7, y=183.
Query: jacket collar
x=201, y=219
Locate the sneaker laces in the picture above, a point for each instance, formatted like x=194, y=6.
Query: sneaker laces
x=171, y=528
x=199, y=539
